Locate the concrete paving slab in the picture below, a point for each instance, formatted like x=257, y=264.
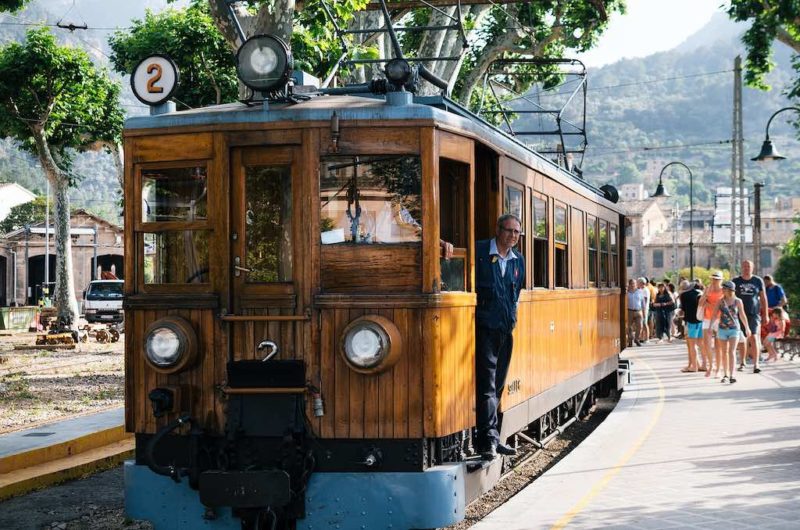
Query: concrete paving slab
x=679, y=450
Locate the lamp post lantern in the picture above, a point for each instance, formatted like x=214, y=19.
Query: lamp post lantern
x=768, y=151
x=661, y=192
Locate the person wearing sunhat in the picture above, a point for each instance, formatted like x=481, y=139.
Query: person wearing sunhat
x=690, y=296
x=708, y=302
x=729, y=312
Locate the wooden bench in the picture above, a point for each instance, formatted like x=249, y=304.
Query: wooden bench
x=790, y=344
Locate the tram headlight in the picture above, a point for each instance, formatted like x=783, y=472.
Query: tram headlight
x=170, y=344
x=398, y=71
x=371, y=344
x=264, y=63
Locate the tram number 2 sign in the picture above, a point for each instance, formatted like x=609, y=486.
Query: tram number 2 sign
x=154, y=79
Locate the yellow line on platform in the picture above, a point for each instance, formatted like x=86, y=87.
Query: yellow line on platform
x=611, y=473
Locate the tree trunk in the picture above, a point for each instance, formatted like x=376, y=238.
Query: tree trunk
x=785, y=37
x=431, y=46
x=64, y=298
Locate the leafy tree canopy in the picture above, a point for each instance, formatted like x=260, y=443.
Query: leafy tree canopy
x=787, y=272
x=190, y=37
x=58, y=92
x=771, y=20
x=12, y=5
x=23, y=214
x=54, y=102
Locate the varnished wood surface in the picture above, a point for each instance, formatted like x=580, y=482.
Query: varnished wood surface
x=430, y=391
x=353, y=268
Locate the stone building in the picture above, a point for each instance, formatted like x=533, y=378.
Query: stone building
x=96, y=246
x=645, y=220
x=658, y=235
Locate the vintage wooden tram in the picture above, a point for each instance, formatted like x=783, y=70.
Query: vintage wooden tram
x=298, y=352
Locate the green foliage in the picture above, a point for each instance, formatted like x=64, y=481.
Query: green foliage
x=787, y=273
x=190, y=37
x=23, y=214
x=700, y=273
x=315, y=47
x=56, y=89
x=767, y=20
x=12, y=5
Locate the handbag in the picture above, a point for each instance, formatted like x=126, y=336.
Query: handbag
x=701, y=312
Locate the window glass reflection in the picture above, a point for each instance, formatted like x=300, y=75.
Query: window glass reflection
x=370, y=199
x=176, y=257
x=174, y=194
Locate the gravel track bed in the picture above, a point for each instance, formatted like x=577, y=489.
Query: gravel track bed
x=39, y=386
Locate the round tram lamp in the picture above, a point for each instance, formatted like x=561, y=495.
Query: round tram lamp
x=398, y=72
x=371, y=344
x=768, y=151
x=170, y=345
x=264, y=63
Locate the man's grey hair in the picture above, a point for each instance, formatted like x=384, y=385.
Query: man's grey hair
x=642, y=280
x=505, y=217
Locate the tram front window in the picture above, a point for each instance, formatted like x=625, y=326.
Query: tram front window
x=370, y=200
x=176, y=257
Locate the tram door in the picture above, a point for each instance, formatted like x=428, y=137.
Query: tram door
x=265, y=244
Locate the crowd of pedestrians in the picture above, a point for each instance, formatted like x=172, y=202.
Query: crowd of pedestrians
x=721, y=322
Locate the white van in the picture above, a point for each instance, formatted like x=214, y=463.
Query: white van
x=102, y=301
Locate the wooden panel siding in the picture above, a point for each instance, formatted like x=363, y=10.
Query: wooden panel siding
x=356, y=268
x=387, y=405
x=172, y=147
x=197, y=382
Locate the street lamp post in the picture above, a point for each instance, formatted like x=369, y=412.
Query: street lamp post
x=661, y=192
x=768, y=151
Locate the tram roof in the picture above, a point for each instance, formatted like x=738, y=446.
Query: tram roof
x=363, y=107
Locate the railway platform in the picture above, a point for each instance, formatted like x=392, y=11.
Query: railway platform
x=679, y=451
x=54, y=452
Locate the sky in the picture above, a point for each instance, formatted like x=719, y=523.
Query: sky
x=650, y=26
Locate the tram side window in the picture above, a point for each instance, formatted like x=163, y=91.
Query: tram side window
x=370, y=200
x=613, y=255
x=174, y=237
x=540, y=242
x=454, y=222
x=562, y=248
x=604, y=253
x=591, y=245
x=514, y=203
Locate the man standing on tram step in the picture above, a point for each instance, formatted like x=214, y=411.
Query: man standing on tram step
x=751, y=290
x=500, y=277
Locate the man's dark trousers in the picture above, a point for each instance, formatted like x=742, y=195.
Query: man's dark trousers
x=493, y=349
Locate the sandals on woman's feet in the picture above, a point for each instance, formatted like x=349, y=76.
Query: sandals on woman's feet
x=724, y=379
x=732, y=380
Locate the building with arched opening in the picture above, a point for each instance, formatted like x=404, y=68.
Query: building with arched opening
x=97, y=252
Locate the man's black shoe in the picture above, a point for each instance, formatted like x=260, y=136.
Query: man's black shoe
x=489, y=454
x=506, y=450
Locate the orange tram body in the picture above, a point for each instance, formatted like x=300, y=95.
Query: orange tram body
x=297, y=351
